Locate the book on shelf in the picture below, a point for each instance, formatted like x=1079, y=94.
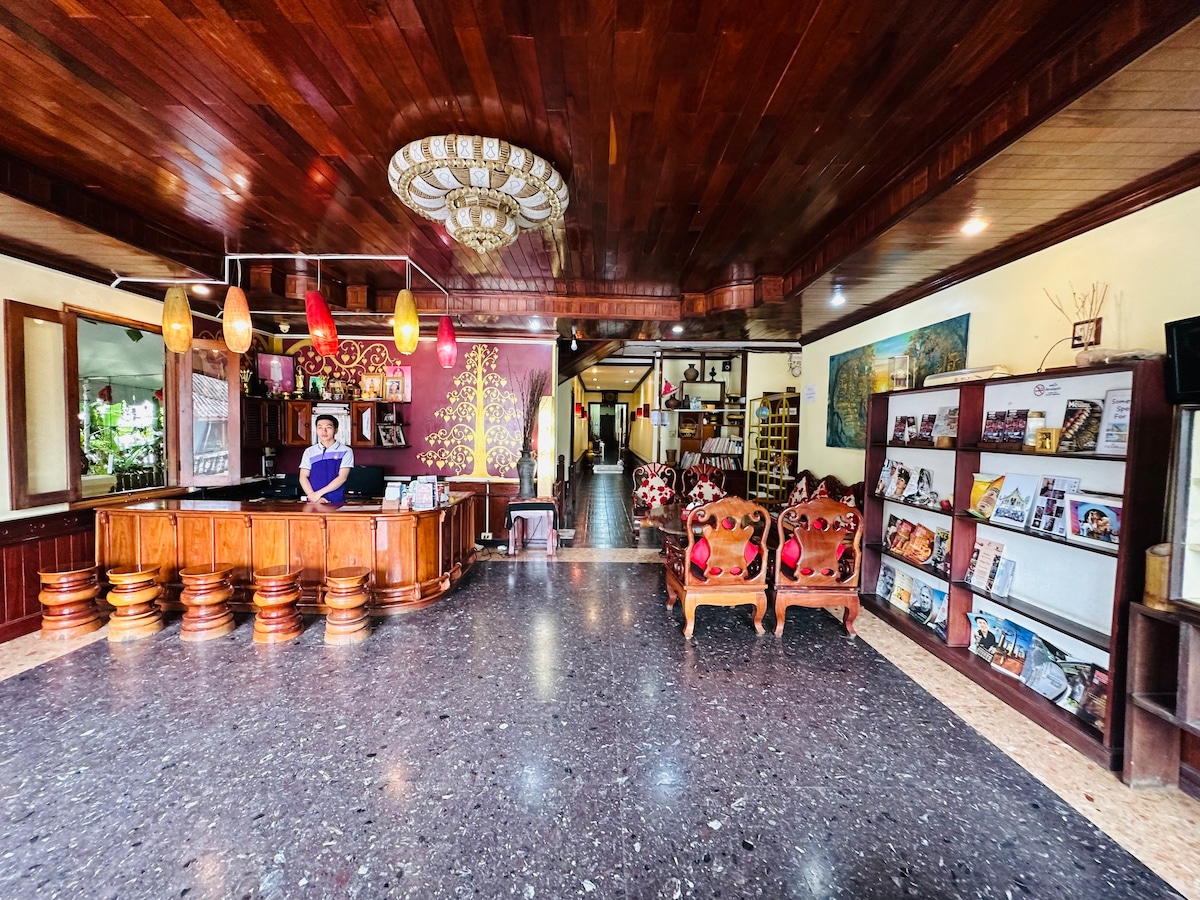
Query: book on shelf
x=930, y=607
x=925, y=427
x=1012, y=648
x=1015, y=422
x=919, y=547
x=1094, y=519
x=985, y=492
x=1114, y=423
x=1087, y=692
x=985, y=561
x=985, y=633
x=939, y=619
x=945, y=423
x=1016, y=499
x=901, y=536
x=902, y=590
x=886, y=582
x=1050, y=508
x=1081, y=426
x=1042, y=671
x=940, y=559
x=920, y=490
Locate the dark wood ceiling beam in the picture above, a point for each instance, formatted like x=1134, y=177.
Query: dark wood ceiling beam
x=510, y=303
x=593, y=354
x=1119, y=35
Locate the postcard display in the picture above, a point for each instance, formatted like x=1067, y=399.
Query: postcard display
x=1051, y=564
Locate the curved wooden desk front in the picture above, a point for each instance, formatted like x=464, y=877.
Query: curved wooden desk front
x=414, y=557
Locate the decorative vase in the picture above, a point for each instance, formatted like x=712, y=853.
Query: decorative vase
x=526, y=470
x=671, y=403
x=691, y=373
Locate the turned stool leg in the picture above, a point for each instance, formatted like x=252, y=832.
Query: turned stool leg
x=205, y=597
x=346, y=596
x=68, y=598
x=134, y=596
x=276, y=593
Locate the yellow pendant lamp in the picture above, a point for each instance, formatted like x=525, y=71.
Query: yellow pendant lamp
x=238, y=329
x=405, y=327
x=177, y=320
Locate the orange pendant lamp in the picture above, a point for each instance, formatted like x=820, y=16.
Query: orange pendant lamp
x=447, y=344
x=177, y=320
x=237, y=327
x=321, y=329
x=406, y=328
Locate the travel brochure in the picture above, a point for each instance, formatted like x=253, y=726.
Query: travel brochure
x=1089, y=426
x=926, y=603
x=1049, y=505
x=1077, y=686
x=930, y=429
x=909, y=484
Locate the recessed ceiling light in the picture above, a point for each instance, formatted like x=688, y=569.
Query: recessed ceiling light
x=678, y=329
x=973, y=226
x=627, y=381
x=535, y=324
x=201, y=289
x=838, y=298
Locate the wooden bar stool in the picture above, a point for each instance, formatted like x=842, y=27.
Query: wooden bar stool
x=68, y=598
x=205, y=597
x=133, y=596
x=346, y=595
x=276, y=593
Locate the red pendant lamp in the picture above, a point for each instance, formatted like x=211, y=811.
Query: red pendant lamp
x=447, y=344
x=320, y=324
x=237, y=327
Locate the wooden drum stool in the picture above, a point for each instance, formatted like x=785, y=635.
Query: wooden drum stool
x=135, y=611
x=68, y=598
x=205, y=597
x=346, y=595
x=276, y=593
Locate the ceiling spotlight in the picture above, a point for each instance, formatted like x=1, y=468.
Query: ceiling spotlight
x=574, y=343
x=201, y=289
x=838, y=298
x=535, y=323
x=678, y=329
x=284, y=327
x=973, y=226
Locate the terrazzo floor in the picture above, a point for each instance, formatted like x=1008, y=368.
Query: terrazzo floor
x=548, y=732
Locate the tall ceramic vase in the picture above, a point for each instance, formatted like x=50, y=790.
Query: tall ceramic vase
x=526, y=471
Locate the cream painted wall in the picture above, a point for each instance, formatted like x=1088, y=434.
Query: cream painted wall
x=39, y=286
x=1149, y=261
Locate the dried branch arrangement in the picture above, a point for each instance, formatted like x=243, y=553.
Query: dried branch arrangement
x=1087, y=305
x=530, y=388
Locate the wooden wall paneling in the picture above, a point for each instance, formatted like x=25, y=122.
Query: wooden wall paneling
x=351, y=542
x=429, y=565
x=270, y=546
x=395, y=562
x=158, y=545
x=306, y=548
x=232, y=544
x=195, y=541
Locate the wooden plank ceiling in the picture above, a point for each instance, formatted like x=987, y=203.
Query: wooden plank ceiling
x=730, y=164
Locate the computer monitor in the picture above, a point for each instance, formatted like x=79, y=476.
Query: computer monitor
x=365, y=482
x=1183, y=361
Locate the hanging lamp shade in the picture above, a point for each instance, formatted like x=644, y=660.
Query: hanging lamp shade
x=320, y=324
x=177, y=320
x=447, y=343
x=238, y=329
x=406, y=328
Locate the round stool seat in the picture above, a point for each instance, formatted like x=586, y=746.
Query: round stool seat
x=205, y=597
x=134, y=597
x=276, y=593
x=346, y=595
x=68, y=598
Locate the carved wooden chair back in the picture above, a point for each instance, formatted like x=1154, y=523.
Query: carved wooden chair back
x=642, y=476
x=692, y=475
x=819, y=558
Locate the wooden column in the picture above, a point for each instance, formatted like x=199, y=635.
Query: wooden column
x=205, y=596
x=276, y=593
x=68, y=598
x=134, y=595
x=346, y=595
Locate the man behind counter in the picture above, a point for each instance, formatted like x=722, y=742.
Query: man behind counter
x=325, y=465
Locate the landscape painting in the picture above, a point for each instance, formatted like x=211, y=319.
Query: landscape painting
x=857, y=373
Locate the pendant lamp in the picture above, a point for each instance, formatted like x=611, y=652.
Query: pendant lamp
x=320, y=324
x=238, y=329
x=447, y=344
x=406, y=328
x=177, y=320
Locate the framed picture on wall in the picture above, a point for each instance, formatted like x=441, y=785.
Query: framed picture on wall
x=1094, y=519
x=397, y=384
x=277, y=372
x=387, y=435
x=371, y=386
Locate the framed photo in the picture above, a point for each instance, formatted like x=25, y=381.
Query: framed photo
x=387, y=435
x=277, y=372
x=1094, y=519
x=371, y=386
x=397, y=384
x=316, y=385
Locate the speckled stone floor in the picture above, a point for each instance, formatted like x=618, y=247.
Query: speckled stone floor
x=547, y=732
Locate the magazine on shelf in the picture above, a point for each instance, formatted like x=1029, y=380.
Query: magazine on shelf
x=904, y=429
x=1079, y=676
x=1001, y=582
x=886, y=474
x=985, y=633
x=886, y=582
x=993, y=427
x=1012, y=648
x=920, y=489
x=925, y=428
x=941, y=550
x=985, y=492
x=939, y=618
x=919, y=547
x=1095, y=699
x=889, y=533
x=1050, y=508
x=901, y=478
x=1015, y=422
x=945, y=423
x=902, y=590
x=1081, y=426
x=1015, y=501
x=904, y=531
x=1042, y=671
x=1114, y=424
x=985, y=560
x=1094, y=519
x=920, y=606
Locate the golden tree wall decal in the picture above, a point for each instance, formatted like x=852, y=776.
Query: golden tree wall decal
x=477, y=413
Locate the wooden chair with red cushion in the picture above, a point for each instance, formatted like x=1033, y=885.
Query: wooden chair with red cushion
x=723, y=562
x=653, y=485
x=817, y=563
x=703, y=483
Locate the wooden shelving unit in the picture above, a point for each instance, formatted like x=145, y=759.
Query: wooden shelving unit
x=773, y=438
x=1075, y=596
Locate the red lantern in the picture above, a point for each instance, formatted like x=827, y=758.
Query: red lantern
x=447, y=344
x=579, y=410
x=320, y=324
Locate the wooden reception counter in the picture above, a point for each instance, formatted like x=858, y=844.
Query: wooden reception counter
x=415, y=557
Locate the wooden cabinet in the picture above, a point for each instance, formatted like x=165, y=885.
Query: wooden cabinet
x=261, y=422
x=297, y=423
x=1072, y=594
x=775, y=447
x=364, y=421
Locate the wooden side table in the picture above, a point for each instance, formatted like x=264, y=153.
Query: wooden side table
x=68, y=598
x=134, y=597
x=205, y=597
x=276, y=593
x=346, y=595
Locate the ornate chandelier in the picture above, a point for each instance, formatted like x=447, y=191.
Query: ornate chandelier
x=484, y=189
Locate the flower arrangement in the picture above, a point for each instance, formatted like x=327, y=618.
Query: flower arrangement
x=530, y=388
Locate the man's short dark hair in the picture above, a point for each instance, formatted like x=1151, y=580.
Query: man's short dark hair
x=981, y=619
x=328, y=418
